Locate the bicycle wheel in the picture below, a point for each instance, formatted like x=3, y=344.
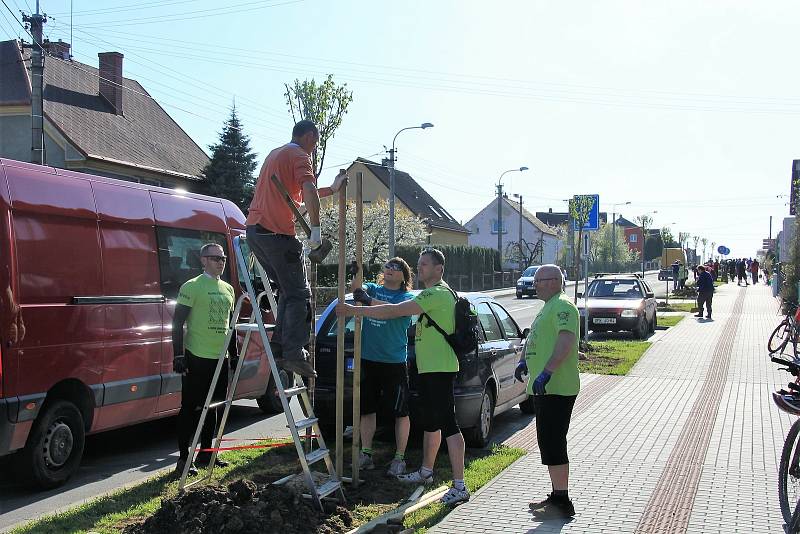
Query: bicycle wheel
x=780, y=337
x=793, y=526
x=789, y=473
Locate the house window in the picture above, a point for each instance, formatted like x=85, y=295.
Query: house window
x=633, y=238
x=494, y=226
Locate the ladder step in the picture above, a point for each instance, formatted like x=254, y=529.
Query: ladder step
x=294, y=391
x=317, y=455
x=253, y=327
x=217, y=404
x=306, y=423
x=328, y=487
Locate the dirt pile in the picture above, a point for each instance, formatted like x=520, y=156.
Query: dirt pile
x=243, y=506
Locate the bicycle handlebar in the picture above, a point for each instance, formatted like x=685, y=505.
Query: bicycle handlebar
x=793, y=367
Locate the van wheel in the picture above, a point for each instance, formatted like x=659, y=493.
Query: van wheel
x=479, y=435
x=526, y=406
x=55, y=445
x=270, y=402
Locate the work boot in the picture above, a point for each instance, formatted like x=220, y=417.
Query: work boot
x=298, y=364
x=553, y=508
x=181, y=464
x=203, y=459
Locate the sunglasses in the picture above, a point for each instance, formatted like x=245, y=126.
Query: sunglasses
x=393, y=267
x=216, y=258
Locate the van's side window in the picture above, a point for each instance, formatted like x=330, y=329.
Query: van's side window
x=179, y=256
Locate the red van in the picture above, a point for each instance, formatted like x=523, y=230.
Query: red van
x=89, y=271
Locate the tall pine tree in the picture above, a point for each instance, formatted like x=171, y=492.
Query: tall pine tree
x=229, y=174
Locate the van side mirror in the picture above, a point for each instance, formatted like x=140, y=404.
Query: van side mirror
x=580, y=294
x=525, y=333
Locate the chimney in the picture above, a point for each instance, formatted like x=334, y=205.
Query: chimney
x=59, y=49
x=111, y=79
x=549, y=210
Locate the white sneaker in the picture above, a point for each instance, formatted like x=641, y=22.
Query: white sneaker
x=455, y=496
x=396, y=468
x=416, y=477
x=365, y=462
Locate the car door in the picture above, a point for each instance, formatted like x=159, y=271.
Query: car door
x=509, y=387
x=495, y=349
x=650, y=303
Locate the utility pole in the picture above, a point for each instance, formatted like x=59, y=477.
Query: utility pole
x=391, y=202
x=37, y=22
x=500, y=223
x=521, y=257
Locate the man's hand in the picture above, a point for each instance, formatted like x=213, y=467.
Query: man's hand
x=344, y=309
x=359, y=295
x=179, y=364
x=353, y=268
x=540, y=383
x=522, y=369
x=233, y=361
x=339, y=181
x=315, y=240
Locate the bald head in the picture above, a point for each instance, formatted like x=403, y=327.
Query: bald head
x=548, y=281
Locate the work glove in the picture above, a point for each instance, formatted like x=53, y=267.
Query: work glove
x=339, y=181
x=179, y=364
x=359, y=295
x=315, y=240
x=540, y=383
x=522, y=369
x=353, y=268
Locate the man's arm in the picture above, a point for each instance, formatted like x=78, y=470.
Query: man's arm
x=382, y=311
x=178, y=320
x=564, y=343
x=311, y=201
x=335, y=186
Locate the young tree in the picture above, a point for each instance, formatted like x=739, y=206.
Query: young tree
x=704, y=241
x=229, y=174
x=530, y=253
x=323, y=103
x=695, y=240
x=601, y=251
x=580, y=206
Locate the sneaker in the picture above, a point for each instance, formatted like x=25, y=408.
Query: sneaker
x=181, y=465
x=553, y=508
x=455, y=496
x=396, y=468
x=365, y=461
x=416, y=477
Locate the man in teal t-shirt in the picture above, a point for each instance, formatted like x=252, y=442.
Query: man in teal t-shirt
x=204, y=305
x=551, y=355
x=384, y=372
x=437, y=365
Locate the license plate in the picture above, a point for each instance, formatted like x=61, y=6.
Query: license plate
x=348, y=364
x=604, y=320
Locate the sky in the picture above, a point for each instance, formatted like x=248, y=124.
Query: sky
x=681, y=108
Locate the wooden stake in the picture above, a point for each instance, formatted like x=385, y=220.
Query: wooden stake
x=358, y=281
x=340, y=334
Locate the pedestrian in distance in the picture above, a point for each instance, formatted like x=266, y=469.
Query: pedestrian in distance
x=384, y=368
x=705, y=292
x=205, y=307
x=437, y=365
x=271, y=237
x=682, y=276
x=754, y=270
x=551, y=361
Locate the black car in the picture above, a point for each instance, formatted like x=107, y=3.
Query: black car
x=484, y=387
x=620, y=302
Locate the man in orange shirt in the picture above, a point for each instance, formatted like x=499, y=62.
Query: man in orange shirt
x=271, y=237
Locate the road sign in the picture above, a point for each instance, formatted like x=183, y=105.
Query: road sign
x=593, y=222
x=723, y=250
x=768, y=244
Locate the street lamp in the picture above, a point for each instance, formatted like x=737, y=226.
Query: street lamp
x=422, y=126
x=500, y=212
x=614, y=233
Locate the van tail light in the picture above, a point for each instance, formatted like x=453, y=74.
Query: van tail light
x=1, y=371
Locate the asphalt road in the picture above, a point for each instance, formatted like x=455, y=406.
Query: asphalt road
x=124, y=457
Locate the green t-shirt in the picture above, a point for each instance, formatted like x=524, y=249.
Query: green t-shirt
x=211, y=302
x=434, y=353
x=558, y=314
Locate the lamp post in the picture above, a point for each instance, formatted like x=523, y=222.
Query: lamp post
x=500, y=212
x=392, y=158
x=614, y=233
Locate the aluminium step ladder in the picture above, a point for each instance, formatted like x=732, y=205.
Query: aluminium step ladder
x=317, y=490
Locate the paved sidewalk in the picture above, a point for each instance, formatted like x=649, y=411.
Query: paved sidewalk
x=689, y=441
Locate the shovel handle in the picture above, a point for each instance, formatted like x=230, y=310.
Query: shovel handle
x=288, y=199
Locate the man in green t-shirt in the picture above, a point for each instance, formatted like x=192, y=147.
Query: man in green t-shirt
x=437, y=366
x=204, y=305
x=551, y=355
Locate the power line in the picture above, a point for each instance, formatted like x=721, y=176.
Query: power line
x=129, y=7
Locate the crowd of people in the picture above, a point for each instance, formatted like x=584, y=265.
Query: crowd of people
x=743, y=271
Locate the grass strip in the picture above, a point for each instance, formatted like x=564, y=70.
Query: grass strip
x=669, y=320
x=612, y=357
x=678, y=307
x=477, y=473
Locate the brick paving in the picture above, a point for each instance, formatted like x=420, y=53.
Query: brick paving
x=691, y=433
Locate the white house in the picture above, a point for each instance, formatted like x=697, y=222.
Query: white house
x=535, y=233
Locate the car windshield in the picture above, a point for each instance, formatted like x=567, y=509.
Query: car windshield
x=530, y=271
x=615, y=289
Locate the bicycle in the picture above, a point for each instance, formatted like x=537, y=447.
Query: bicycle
x=789, y=470
x=788, y=330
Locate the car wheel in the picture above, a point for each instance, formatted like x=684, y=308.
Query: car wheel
x=479, y=435
x=54, y=448
x=654, y=323
x=526, y=406
x=270, y=402
x=642, y=329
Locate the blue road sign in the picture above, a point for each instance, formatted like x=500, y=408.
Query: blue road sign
x=593, y=222
x=723, y=250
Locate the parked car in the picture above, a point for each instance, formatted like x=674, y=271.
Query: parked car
x=89, y=271
x=620, y=302
x=484, y=387
x=525, y=282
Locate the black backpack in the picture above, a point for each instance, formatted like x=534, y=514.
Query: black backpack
x=464, y=339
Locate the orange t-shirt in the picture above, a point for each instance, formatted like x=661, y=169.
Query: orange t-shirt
x=292, y=166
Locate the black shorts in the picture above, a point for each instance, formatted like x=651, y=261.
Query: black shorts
x=553, y=413
x=438, y=403
x=384, y=387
